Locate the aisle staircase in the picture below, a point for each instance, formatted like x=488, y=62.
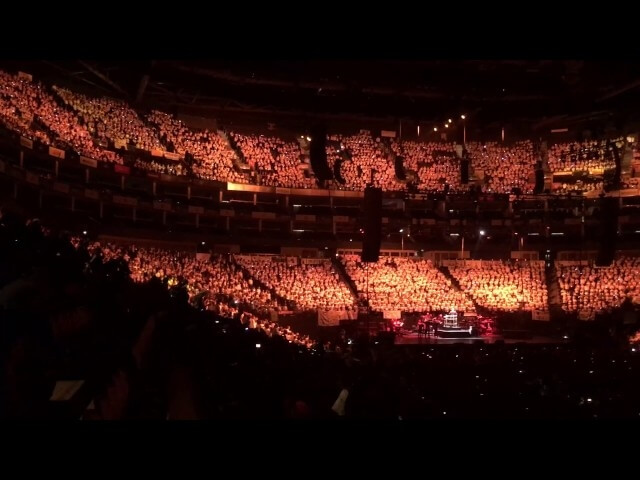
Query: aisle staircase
x=263, y=286
x=239, y=160
x=342, y=271
x=554, y=296
x=454, y=281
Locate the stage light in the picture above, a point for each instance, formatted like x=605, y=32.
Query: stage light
x=202, y=243
x=308, y=139
x=258, y=345
x=401, y=230
x=450, y=120
x=446, y=125
x=84, y=232
x=435, y=129
x=463, y=117
x=482, y=232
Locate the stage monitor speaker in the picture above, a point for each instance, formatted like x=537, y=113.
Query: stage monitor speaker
x=399, y=168
x=386, y=338
x=464, y=171
x=539, y=186
x=372, y=224
x=609, y=210
x=318, y=154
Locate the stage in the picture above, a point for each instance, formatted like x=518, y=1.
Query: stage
x=420, y=339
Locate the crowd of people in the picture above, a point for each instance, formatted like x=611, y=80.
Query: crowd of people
x=589, y=290
x=113, y=316
x=503, y=286
x=310, y=285
x=366, y=160
x=93, y=127
x=586, y=156
x=216, y=276
x=504, y=167
x=213, y=156
x=435, y=164
x=111, y=120
x=406, y=284
x=27, y=106
x=278, y=163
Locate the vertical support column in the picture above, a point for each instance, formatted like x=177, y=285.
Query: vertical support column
x=164, y=217
x=122, y=182
x=286, y=201
x=21, y=158
x=255, y=199
x=154, y=187
x=546, y=205
x=290, y=226
x=220, y=196
x=86, y=175
x=334, y=226
x=260, y=225
x=188, y=192
x=197, y=220
x=228, y=223
x=57, y=168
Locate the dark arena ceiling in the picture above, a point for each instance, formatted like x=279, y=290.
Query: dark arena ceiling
x=539, y=94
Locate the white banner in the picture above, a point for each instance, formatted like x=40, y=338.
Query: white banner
x=313, y=261
x=61, y=187
x=91, y=194
x=119, y=199
x=25, y=142
x=331, y=318
x=195, y=209
x=56, y=152
x=89, y=162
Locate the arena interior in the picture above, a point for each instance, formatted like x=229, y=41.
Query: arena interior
x=327, y=239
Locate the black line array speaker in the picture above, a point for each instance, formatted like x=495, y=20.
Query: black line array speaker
x=609, y=210
x=539, y=186
x=464, y=171
x=399, y=168
x=318, y=154
x=372, y=224
x=618, y=164
x=337, y=174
